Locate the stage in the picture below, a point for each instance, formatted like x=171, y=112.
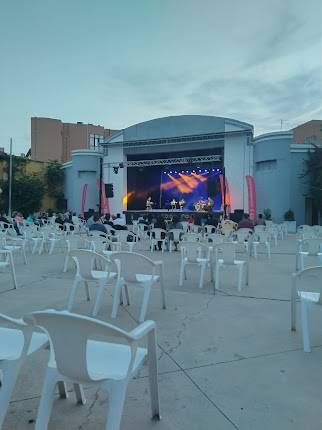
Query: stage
x=165, y=213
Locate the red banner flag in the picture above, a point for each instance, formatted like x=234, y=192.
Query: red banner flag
x=84, y=193
x=251, y=197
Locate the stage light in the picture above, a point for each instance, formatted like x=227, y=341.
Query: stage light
x=165, y=173
x=187, y=171
x=199, y=171
x=170, y=172
x=175, y=172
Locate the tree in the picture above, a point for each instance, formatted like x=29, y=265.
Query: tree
x=54, y=178
x=312, y=176
x=27, y=194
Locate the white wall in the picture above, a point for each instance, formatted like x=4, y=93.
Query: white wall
x=119, y=180
x=238, y=161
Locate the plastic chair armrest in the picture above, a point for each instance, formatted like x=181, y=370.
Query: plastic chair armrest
x=143, y=329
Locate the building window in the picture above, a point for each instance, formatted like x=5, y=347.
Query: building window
x=266, y=165
x=95, y=140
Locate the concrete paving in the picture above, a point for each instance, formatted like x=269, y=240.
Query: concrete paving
x=226, y=361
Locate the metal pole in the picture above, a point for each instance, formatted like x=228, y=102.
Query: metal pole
x=10, y=179
x=100, y=187
x=160, y=200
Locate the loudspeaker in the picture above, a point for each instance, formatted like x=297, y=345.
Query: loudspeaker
x=109, y=192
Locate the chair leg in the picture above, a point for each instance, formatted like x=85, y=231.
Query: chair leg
x=255, y=250
x=8, y=381
x=46, y=400
x=293, y=306
x=144, y=307
x=305, y=305
x=164, y=306
x=240, y=277
x=127, y=295
x=116, y=298
x=268, y=246
x=72, y=294
x=117, y=392
x=13, y=270
x=202, y=275
x=79, y=393
x=182, y=269
x=301, y=261
x=88, y=297
x=153, y=375
x=62, y=390
x=23, y=249
x=98, y=298
x=66, y=263
x=52, y=246
x=217, y=275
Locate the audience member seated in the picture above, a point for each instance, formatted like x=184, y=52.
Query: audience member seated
x=97, y=225
x=3, y=218
x=107, y=220
x=246, y=222
x=119, y=223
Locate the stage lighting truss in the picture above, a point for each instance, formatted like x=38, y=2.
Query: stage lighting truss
x=175, y=161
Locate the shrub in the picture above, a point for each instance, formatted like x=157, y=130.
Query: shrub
x=267, y=214
x=289, y=215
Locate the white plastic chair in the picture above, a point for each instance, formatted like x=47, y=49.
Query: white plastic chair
x=175, y=236
x=307, y=286
x=209, y=229
x=195, y=254
x=16, y=245
x=92, y=352
x=72, y=243
x=309, y=247
x=85, y=272
x=243, y=237
x=123, y=236
x=6, y=262
x=140, y=271
x=263, y=238
x=225, y=257
x=155, y=237
x=17, y=340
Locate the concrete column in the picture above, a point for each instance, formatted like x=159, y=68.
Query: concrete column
x=238, y=161
x=119, y=180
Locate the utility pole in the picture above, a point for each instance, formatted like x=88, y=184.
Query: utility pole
x=10, y=179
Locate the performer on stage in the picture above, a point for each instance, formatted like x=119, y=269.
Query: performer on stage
x=210, y=204
x=173, y=203
x=181, y=203
x=149, y=204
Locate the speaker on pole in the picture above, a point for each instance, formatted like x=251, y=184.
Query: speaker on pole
x=109, y=192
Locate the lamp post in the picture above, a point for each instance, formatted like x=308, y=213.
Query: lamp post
x=10, y=179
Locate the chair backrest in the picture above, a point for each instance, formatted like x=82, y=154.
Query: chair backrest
x=157, y=233
x=309, y=279
x=185, y=225
x=209, y=229
x=313, y=246
x=226, y=251
x=191, y=237
x=194, y=250
x=243, y=234
x=215, y=238
x=123, y=235
x=263, y=236
x=70, y=335
x=21, y=330
x=85, y=261
x=97, y=234
x=133, y=263
x=175, y=234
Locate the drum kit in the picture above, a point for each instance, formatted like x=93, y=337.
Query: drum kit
x=204, y=205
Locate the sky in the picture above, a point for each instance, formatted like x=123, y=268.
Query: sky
x=120, y=62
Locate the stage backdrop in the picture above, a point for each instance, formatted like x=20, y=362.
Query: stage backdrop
x=165, y=185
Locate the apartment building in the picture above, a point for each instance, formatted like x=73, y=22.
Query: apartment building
x=52, y=139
